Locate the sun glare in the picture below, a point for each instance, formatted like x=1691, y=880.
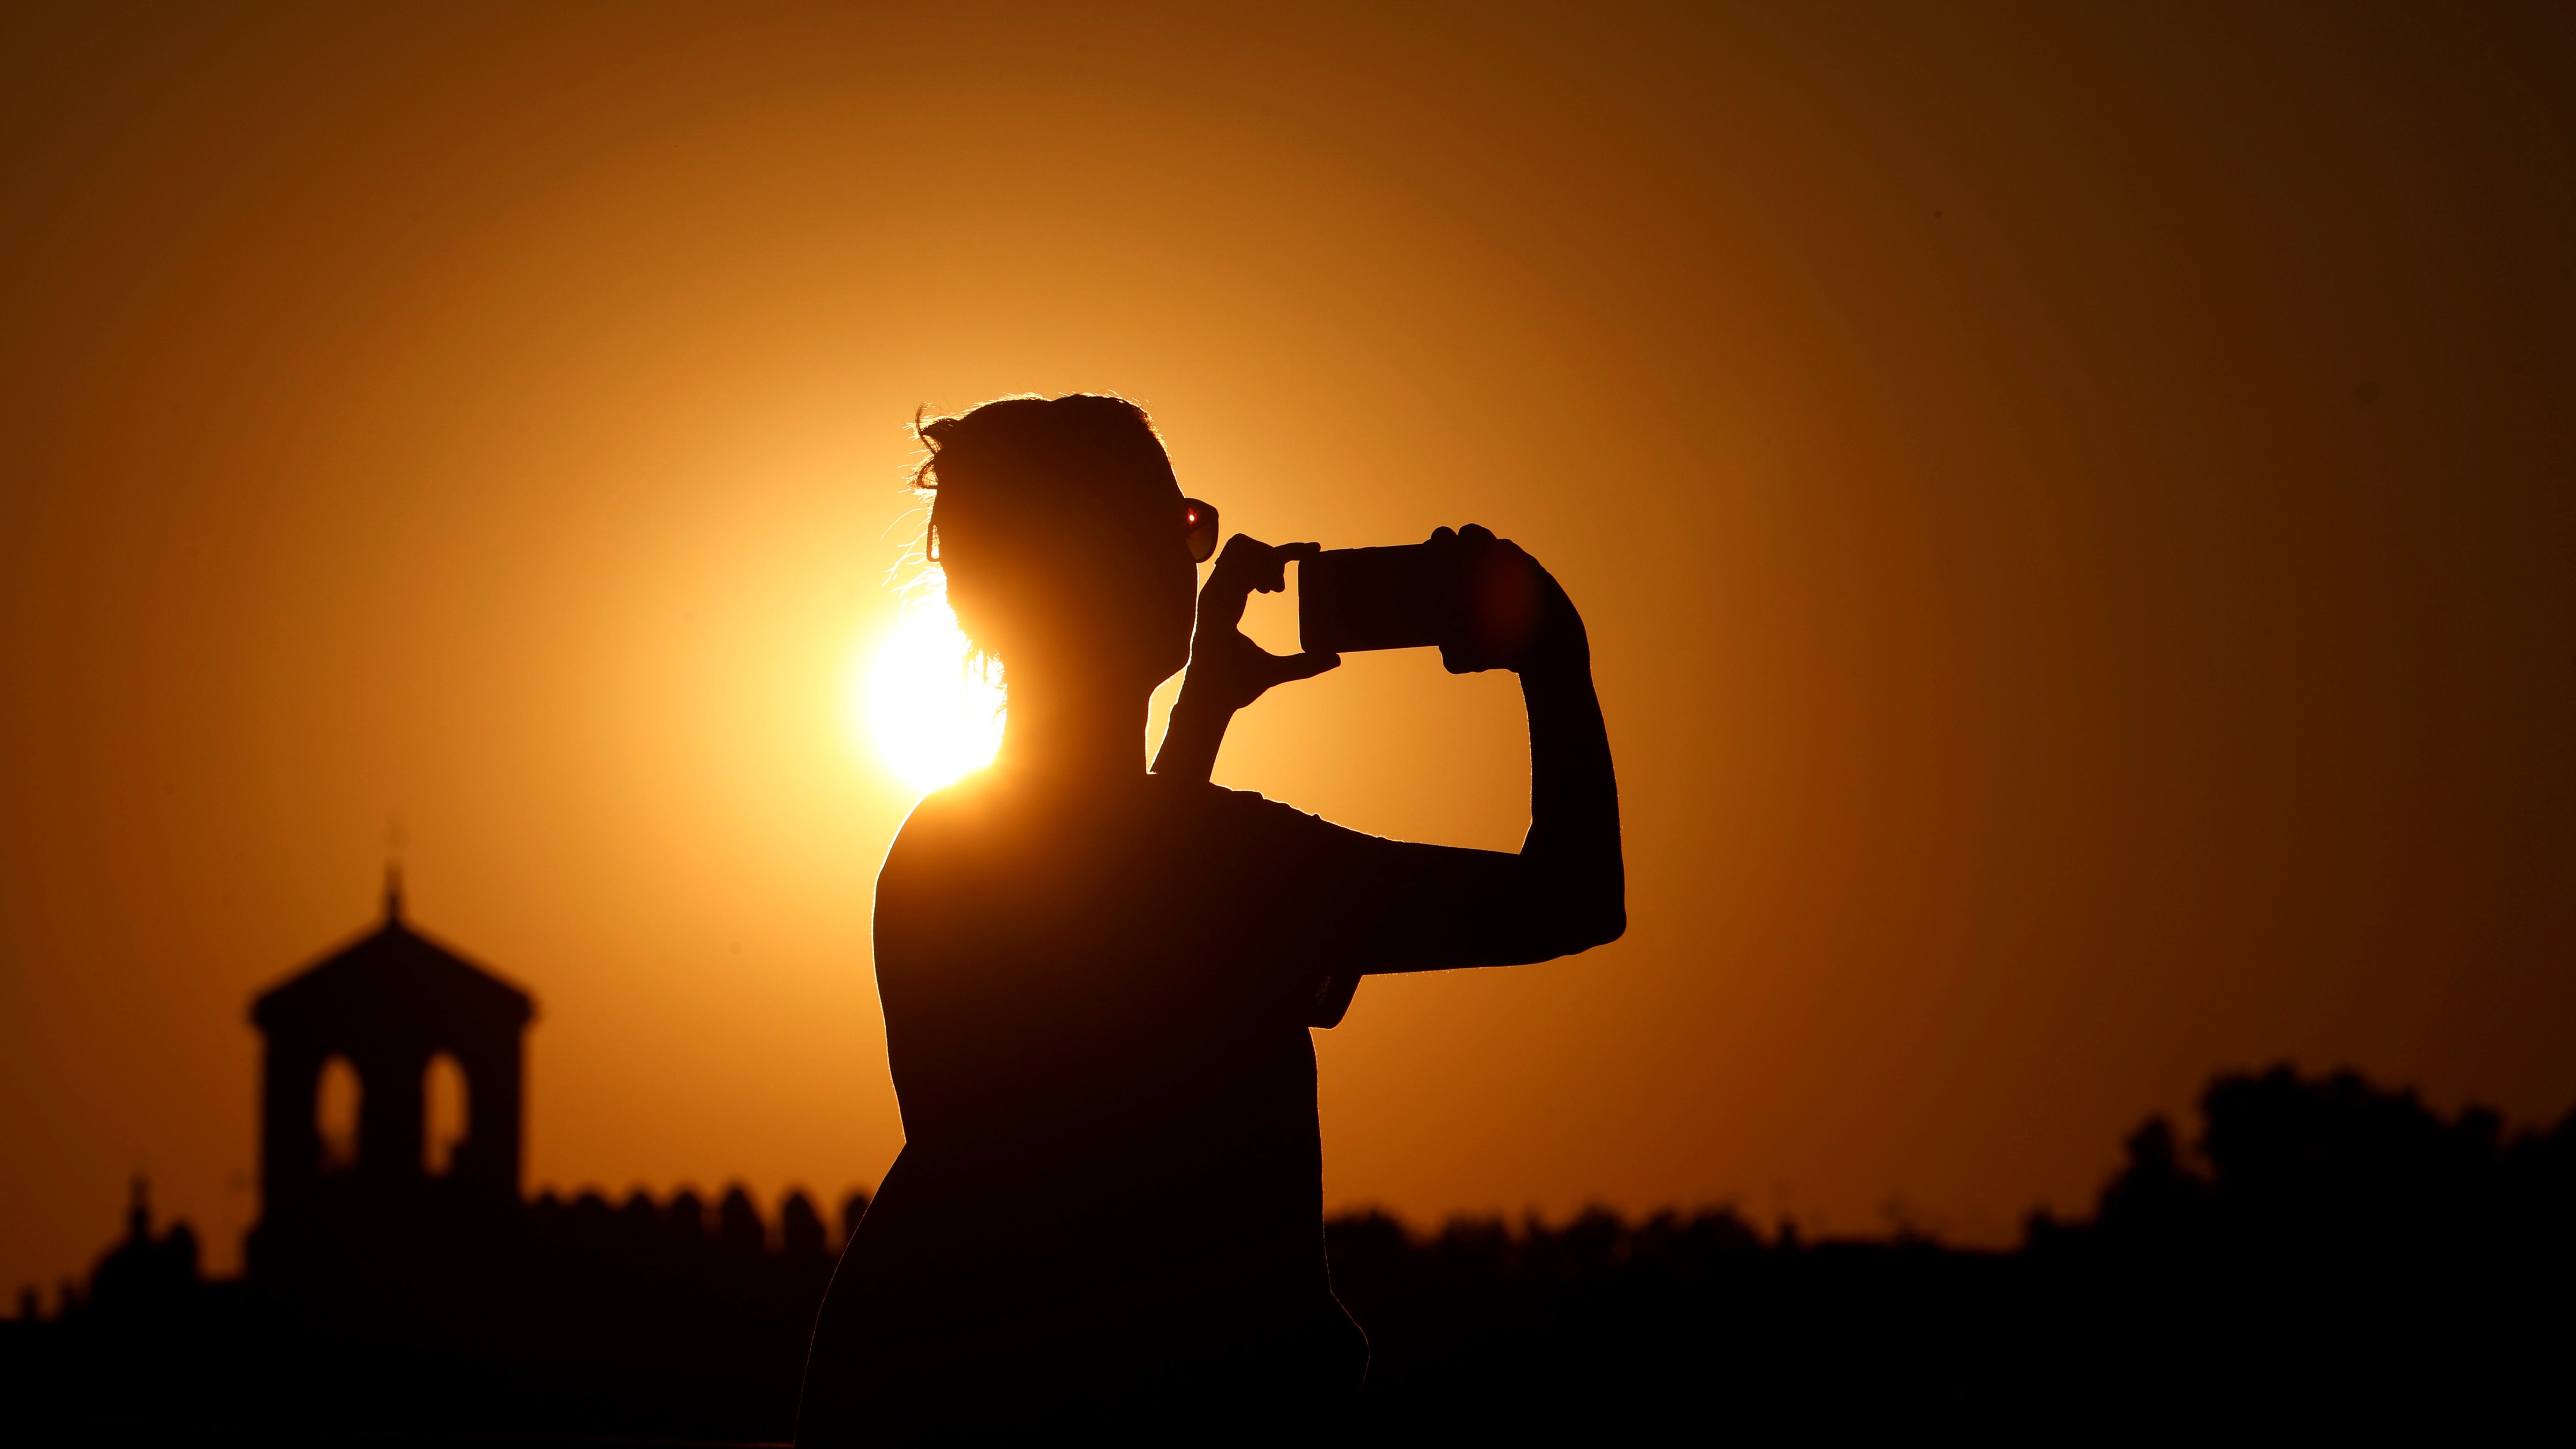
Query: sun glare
x=931, y=715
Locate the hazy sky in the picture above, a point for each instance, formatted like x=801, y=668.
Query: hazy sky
x=2077, y=518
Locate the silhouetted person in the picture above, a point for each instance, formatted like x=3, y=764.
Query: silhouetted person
x=1097, y=981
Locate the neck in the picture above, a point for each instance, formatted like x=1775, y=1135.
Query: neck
x=1072, y=734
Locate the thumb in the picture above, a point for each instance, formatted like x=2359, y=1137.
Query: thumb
x=1290, y=667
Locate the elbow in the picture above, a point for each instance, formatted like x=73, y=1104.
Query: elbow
x=1605, y=925
x=1562, y=916
x=1605, y=909
x=1590, y=924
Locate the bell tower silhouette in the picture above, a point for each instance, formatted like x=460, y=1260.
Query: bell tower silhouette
x=388, y=1005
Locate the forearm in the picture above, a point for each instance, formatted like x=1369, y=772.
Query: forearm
x=1573, y=842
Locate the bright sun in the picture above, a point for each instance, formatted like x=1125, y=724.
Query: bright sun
x=932, y=716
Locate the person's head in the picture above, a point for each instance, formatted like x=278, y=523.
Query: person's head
x=1064, y=539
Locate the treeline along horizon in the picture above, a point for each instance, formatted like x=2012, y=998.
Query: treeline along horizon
x=2320, y=1252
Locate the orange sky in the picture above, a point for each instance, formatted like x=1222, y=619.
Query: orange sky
x=2077, y=519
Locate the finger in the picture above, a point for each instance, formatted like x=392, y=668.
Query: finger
x=1476, y=531
x=1281, y=554
x=1458, y=659
x=1256, y=563
x=1221, y=601
x=1237, y=573
x=1242, y=555
x=1443, y=535
x=1274, y=574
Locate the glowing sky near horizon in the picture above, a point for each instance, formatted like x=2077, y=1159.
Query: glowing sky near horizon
x=2074, y=507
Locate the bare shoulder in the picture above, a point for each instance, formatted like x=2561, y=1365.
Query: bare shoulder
x=947, y=821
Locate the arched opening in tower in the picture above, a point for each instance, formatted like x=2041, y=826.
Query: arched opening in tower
x=443, y=1126
x=336, y=1101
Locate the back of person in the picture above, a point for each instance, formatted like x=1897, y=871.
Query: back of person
x=1096, y=1019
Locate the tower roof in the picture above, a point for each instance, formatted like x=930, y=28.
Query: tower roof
x=393, y=971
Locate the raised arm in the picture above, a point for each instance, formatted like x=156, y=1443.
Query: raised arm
x=1573, y=838
x=1566, y=890
x=1414, y=907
